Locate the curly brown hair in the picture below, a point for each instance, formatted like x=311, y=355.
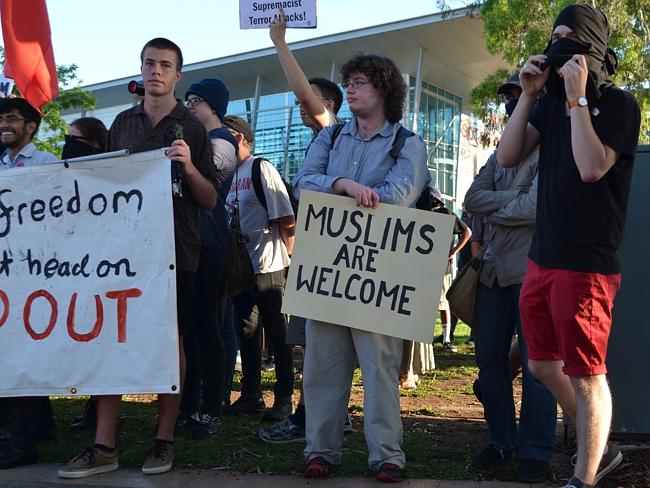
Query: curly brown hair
x=385, y=77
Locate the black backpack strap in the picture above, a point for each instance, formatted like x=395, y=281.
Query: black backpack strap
x=256, y=176
x=400, y=138
x=334, y=133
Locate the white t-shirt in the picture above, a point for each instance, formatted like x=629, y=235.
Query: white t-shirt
x=265, y=247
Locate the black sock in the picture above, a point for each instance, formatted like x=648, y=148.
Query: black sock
x=104, y=448
x=163, y=441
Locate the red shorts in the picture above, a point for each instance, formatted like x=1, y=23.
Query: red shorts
x=567, y=316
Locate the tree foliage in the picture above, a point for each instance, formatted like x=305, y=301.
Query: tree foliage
x=517, y=29
x=71, y=95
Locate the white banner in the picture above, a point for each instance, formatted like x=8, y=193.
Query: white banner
x=378, y=270
x=258, y=14
x=87, y=279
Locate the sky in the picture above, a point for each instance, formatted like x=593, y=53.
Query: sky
x=104, y=37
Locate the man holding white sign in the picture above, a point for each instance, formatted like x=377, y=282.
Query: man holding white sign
x=360, y=165
x=141, y=128
x=19, y=123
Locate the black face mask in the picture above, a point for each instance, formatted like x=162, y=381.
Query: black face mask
x=75, y=147
x=510, y=106
x=591, y=27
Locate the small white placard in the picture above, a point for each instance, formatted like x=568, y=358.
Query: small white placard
x=258, y=14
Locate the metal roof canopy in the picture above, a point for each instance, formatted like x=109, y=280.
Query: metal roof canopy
x=454, y=58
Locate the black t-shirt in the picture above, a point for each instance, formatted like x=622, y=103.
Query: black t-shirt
x=580, y=225
x=132, y=130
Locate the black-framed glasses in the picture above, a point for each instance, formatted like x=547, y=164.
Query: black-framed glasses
x=193, y=102
x=356, y=84
x=11, y=119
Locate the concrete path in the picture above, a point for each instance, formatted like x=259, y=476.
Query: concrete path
x=45, y=476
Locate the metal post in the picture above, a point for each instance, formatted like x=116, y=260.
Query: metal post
x=256, y=102
x=333, y=71
x=286, y=143
x=418, y=90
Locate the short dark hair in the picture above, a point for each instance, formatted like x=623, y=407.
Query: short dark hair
x=162, y=43
x=385, y=77
x=22, y=106
x=93, y=130
x=330, y=90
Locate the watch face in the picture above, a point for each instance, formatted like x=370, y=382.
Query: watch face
x=582, y=101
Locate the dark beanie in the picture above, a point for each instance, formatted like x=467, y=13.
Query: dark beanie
x=214, y=92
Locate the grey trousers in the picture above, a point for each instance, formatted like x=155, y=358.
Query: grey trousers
x=327, y=376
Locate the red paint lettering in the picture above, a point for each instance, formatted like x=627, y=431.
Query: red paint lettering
x=99, y=322
x=28, y=310
x=121, y=296
x=5, y=307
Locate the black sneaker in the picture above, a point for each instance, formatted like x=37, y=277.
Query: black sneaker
x=208, y=426
x=609, y=462
x=281, y=409
x=284, y=432
x=491, y=457
x=246, y=405
x=533, y=471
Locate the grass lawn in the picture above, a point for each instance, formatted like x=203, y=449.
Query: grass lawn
x=431, y=451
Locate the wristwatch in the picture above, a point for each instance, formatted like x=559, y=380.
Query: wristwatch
x=578, y=102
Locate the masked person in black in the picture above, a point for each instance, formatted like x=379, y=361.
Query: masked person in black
x=588, y=131
x=86, y=136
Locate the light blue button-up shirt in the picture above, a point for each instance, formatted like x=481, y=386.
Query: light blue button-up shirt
x=366, y=161
x=27, y=156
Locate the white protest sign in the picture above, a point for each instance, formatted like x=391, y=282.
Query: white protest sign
x=258, y=14
x=379, y=270
x=6, y=86
x=87, y=279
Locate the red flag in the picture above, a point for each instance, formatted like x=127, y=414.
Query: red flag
x=29, y=58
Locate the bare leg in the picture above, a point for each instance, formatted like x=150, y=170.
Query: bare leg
x=168, y=404
x=108, y=407
x=594, y=414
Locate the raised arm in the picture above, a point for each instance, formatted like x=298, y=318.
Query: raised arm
x=311, y=104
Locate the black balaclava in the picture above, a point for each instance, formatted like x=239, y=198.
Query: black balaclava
x=75, y=147
x=591, y=28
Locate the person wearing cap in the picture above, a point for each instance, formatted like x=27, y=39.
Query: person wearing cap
x=269, y=229
x=588, y=131
x=204, y=347
x=506, y=201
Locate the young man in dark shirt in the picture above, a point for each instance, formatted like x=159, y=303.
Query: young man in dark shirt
x=142, y=128
x=587, y=130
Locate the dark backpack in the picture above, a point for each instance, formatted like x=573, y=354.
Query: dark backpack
x=424, y=201
x=256, y=176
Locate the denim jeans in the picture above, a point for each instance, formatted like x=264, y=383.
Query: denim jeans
x=261, y=307
x=497, y=318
